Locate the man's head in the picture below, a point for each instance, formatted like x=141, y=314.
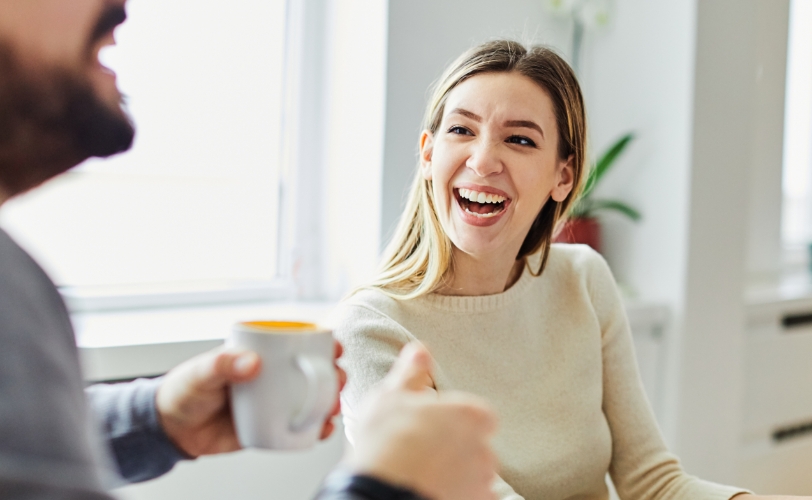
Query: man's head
x=58, y=104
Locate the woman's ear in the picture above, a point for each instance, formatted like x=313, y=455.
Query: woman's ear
x=426, y=148
x=565, y=179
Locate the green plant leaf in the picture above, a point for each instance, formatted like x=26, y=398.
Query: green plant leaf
x=605, y=162
x=617, y=206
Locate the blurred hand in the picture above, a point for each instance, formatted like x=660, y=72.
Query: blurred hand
x=193, y=400
x=435, y=444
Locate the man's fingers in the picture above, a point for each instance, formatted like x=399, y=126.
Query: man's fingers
x=327, y=430
x=245, y=366
x=217, y=369
x=412, y=370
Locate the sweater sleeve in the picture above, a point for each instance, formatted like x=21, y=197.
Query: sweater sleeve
x=130, y=425
x=372, y=341
x=641, y=467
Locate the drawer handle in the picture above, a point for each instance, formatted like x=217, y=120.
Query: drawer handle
x=791, y=432
x=793, y=320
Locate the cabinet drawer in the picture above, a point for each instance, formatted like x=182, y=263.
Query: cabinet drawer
x=778, y=380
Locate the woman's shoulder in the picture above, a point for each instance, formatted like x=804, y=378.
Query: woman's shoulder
x=370, y=299
x=575, y=257
x=366, y=310
x=568, y=261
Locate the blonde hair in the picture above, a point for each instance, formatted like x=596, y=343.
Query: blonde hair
x=419, y=257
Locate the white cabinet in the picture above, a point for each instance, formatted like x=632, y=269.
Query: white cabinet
x=777, y=401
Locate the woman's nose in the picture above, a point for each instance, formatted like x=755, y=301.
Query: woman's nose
x=484, y=159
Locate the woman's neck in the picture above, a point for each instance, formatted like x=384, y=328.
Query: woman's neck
x=472, y=276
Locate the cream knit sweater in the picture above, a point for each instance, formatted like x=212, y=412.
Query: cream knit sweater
x=554, y=356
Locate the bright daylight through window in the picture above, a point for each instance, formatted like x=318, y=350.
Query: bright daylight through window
x=797, y=210
x=197, y=198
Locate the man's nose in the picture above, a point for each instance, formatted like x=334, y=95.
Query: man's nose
x=485, y=159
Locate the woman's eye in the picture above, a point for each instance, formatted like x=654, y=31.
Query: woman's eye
x=459, y=130
x=520, y=140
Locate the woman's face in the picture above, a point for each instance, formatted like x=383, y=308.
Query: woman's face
x=493, y=163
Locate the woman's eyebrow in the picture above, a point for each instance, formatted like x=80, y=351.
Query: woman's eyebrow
x=525, y=124
x=465, y=112
x=510, y=123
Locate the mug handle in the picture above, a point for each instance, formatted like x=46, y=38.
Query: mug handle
x=322, y=384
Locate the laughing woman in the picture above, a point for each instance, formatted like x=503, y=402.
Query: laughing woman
x=537, y=329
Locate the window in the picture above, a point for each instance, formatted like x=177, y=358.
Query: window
x=196, y=201
x=797, y=181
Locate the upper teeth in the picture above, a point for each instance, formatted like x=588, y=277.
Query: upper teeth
x=480, y=197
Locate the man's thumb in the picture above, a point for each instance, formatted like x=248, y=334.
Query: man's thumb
x=412, y=370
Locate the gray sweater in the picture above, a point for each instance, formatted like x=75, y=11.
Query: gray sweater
x=49, y=444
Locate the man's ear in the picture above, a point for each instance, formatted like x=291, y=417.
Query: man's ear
x=426, y=149
x=565, y=179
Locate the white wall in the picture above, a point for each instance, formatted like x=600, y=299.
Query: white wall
x=638, y=76
x=764, y=245
x=710, y=376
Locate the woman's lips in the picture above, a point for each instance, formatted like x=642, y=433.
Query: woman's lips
x=479, y=220
x=481, y=189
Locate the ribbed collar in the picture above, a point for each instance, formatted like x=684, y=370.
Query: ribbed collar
x=482, y=303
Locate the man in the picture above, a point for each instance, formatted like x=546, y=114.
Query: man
x=58, y=107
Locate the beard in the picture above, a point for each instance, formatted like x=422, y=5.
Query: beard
x=50, y=121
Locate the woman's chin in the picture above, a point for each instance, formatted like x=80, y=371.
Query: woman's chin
x=479, y=245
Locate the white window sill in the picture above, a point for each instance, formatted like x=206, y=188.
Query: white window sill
x=117, y=345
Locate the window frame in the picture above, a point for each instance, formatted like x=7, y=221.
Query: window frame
x=300, y=110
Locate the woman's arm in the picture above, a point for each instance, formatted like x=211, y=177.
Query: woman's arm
x=372, y=342
x=641, y=465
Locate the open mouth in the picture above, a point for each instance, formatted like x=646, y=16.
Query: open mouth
x=103, y=34
x=101, y=52
x=479, y=204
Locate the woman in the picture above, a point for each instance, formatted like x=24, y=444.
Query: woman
x=538, y=330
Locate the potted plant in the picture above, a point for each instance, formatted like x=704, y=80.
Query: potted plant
x=582, y=225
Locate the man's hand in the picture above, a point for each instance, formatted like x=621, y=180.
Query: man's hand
x=438, y=445
x=193, y=402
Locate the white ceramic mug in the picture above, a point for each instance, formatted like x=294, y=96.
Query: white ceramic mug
x=285, y=407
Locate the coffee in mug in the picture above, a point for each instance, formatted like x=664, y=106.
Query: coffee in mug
x=285, y=407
